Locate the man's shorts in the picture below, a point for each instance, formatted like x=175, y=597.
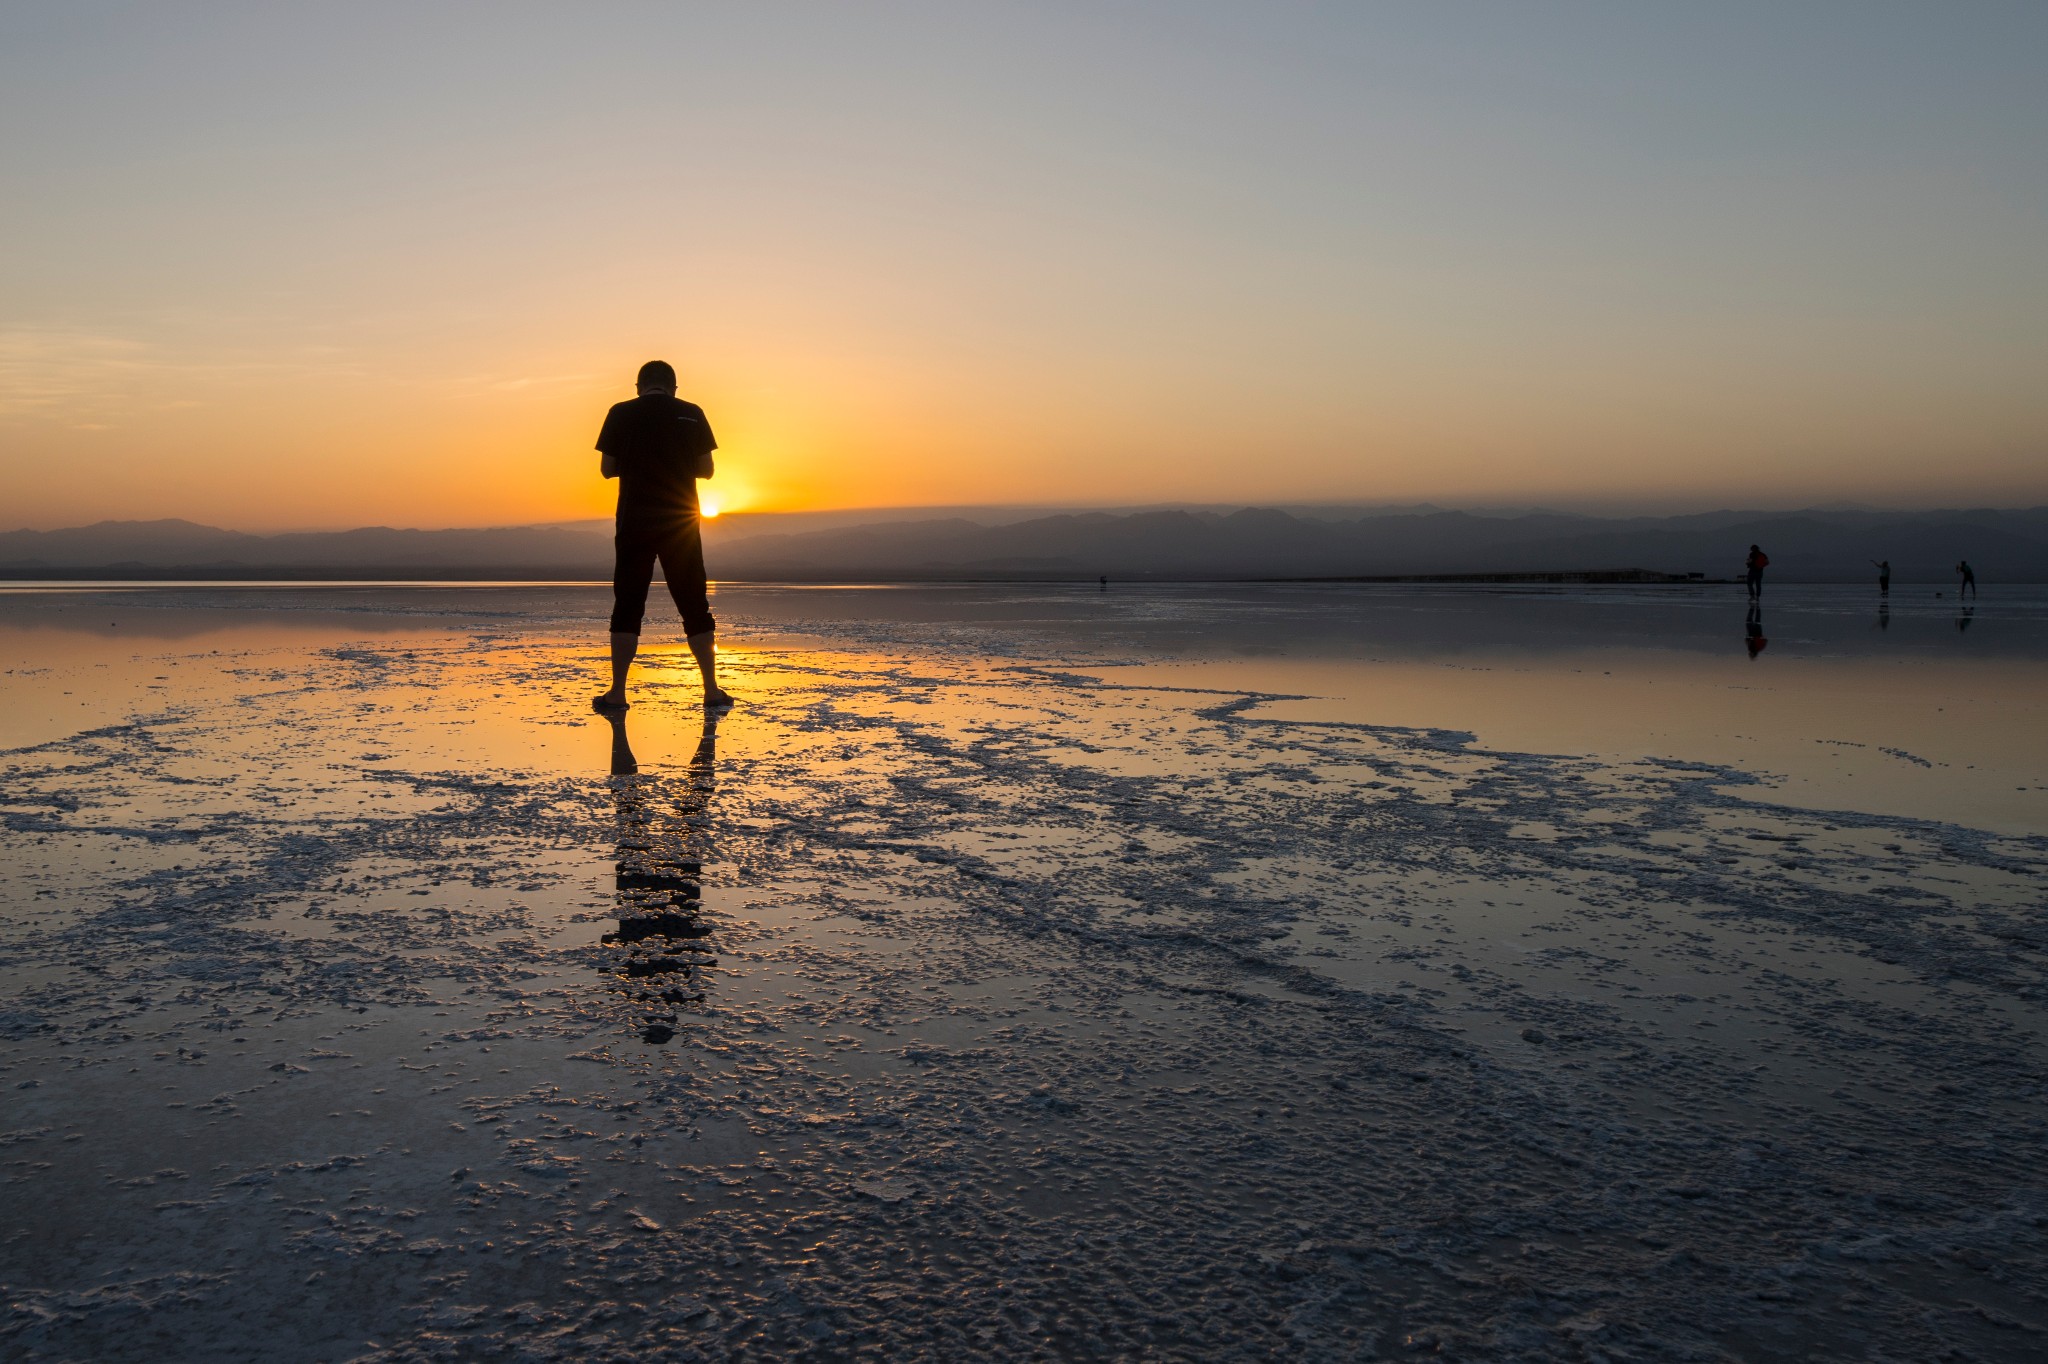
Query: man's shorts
x=681, y=552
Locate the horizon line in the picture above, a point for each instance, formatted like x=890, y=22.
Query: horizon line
x=1497, y=510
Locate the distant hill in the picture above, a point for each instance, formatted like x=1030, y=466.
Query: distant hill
x=184, y=545
x=1180, y=543
x=1809, y=546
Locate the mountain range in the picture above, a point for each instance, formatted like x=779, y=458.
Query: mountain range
x=1818, y=545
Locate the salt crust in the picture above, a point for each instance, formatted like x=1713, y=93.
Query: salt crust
x=1033, y=1016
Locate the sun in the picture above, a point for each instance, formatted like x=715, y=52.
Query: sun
x=707, y=503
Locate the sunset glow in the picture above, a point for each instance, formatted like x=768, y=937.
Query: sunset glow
x=1019, y=255
x=1307, y=680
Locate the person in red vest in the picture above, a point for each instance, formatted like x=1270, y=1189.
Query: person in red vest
x=1756, y=563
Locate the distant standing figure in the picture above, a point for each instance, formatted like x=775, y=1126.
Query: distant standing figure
x=1105, y=583
x=1884, y=576
x=1756, y=563
x=658, y=446
x=1969, y=579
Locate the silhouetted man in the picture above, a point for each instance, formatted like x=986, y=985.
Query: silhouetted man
x=1884, y=576
x=1755, y=565
x=1969, y=584
x=658, y=446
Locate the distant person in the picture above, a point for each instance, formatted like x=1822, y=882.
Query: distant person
x=1884, y=576
x=658, y=446
x=1969, y=583
x=1755, y=564
x=1104, y=583
x=1753, y=633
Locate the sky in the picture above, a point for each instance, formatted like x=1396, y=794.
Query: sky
x=310, y=266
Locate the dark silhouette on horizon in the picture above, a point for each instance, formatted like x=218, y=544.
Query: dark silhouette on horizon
x=1968, y=586
x=916, y=545
x=1753, y=569
x=1884, y=576
x=658, y=446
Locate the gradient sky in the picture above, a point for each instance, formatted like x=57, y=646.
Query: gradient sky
x=280, y=265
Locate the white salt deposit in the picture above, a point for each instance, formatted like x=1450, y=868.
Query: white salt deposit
x=374, y=1000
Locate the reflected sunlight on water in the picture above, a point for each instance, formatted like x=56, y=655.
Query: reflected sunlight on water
x=1254, y=938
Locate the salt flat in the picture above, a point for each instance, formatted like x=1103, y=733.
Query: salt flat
x=1025, y=972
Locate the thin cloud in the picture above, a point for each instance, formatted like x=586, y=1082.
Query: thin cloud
x=45, y=370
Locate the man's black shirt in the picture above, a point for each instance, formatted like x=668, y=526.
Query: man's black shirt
x=660, y=446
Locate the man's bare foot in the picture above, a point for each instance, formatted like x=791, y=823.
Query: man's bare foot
x=718, y=699
x=611, y=700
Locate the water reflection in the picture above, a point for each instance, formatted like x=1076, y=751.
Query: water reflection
x=657, y=955
x=1753, y=630
x=1963, y=621
x=1884, y=616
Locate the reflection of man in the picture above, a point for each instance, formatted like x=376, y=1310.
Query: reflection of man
x=658, y=446
x=660, y=868
x=1753, y=632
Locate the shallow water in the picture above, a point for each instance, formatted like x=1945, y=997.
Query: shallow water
x=1251, y=972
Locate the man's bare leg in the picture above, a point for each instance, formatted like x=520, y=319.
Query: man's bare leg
x=623, y=649
x=705, y=649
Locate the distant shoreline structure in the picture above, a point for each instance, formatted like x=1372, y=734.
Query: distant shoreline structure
x=1566, y=575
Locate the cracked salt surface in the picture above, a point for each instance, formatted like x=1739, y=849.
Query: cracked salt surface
x=1013, y=980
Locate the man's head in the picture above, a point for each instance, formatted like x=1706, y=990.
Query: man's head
x=657, y=376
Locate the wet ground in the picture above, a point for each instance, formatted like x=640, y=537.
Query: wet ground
x=1250, y=973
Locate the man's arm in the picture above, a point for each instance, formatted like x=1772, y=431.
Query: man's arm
x=705, y=468
x=607, y=443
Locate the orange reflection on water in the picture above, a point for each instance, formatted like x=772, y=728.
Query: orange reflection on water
x=1953, y=740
